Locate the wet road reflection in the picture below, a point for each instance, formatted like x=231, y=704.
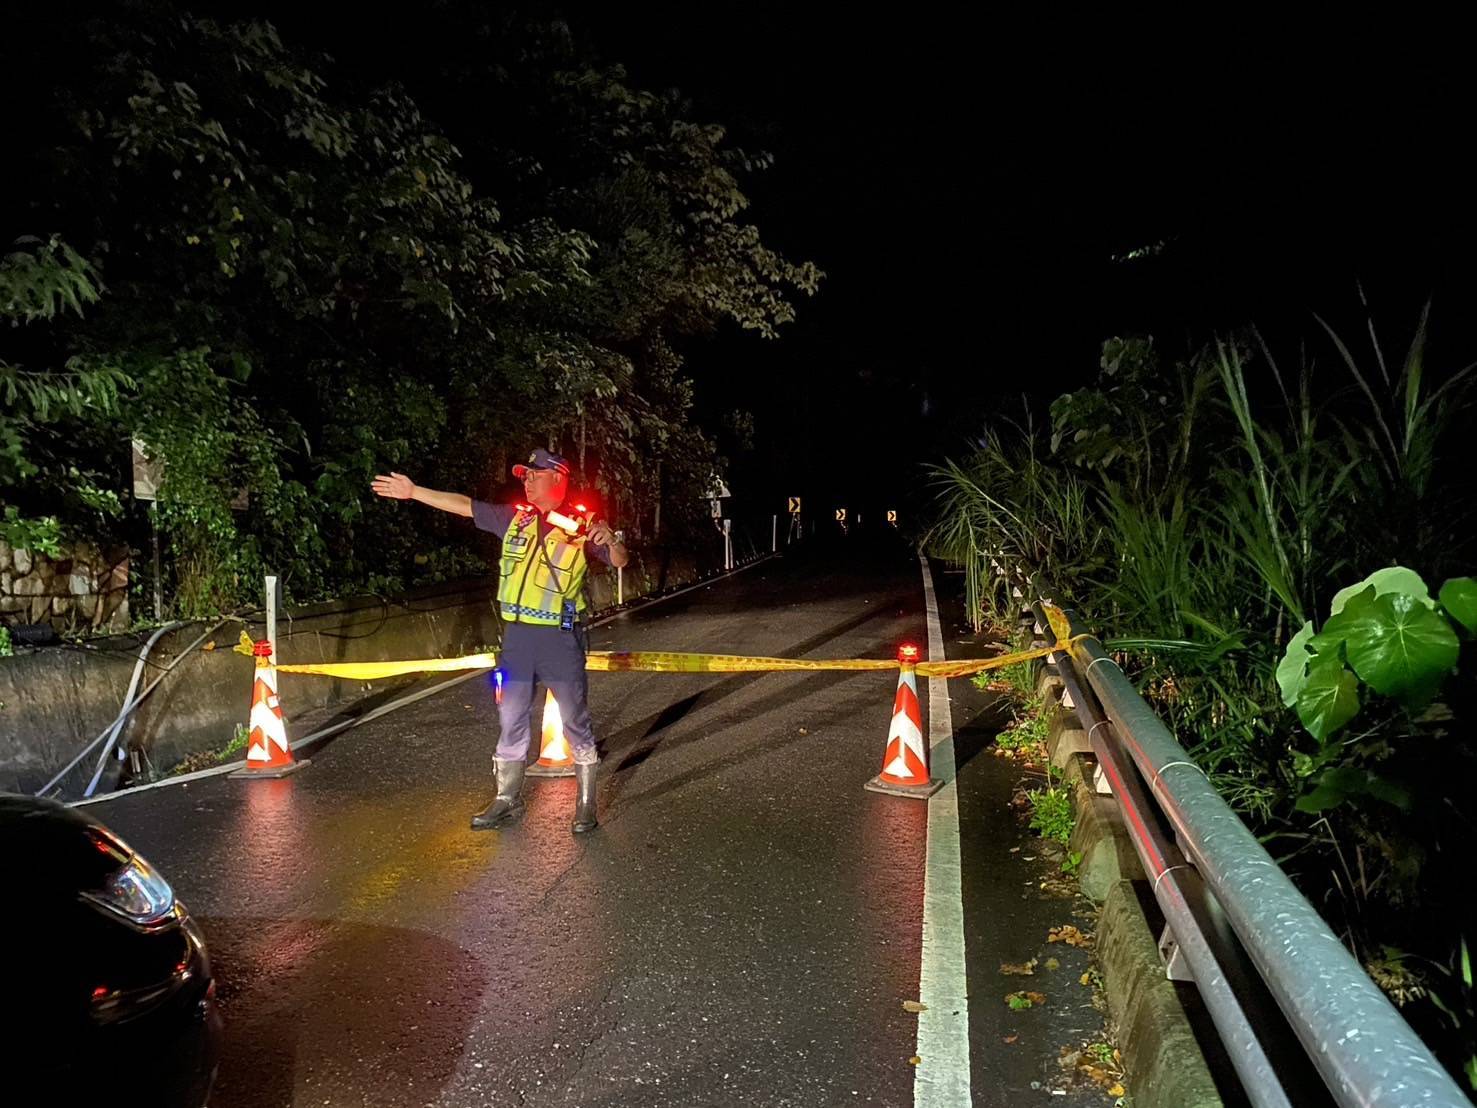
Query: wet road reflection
x=742, y=930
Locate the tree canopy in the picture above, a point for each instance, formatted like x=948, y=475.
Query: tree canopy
x=281, y=275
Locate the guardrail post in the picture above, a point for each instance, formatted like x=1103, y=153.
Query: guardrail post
x=1176, y=968
x=271, y=583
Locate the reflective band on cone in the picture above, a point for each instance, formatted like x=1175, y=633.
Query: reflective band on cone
x=555, y=759
x=905, y=758
x=267, y=752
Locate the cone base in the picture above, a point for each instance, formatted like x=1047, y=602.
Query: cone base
x=539, y=769
x=271, y=772
x=918, y=792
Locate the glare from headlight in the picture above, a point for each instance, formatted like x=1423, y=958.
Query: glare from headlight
x=136, y=893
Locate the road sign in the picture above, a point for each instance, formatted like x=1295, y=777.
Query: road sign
x=840, y=515
x=717, y=493
x=148, y=473
x=794, y=505
x=891, y=516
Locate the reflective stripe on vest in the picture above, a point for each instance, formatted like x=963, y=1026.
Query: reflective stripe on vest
x=534, y=583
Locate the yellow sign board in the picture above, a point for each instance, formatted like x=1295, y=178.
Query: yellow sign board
x=794, y=505
x=840, y=515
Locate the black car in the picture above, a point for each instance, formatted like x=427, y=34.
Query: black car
x=107, y=987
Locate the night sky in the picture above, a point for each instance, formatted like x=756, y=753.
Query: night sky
x=967, y=180
x=966, y=184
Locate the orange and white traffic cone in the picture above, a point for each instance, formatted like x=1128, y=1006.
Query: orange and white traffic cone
x=905, y=758
x=267, y=752
x=555, y=759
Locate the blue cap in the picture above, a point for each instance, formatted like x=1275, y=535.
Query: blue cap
x=542, y=459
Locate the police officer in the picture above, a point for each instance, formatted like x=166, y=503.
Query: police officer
x=541, y=597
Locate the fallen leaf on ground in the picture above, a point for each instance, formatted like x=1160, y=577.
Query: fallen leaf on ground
x=915, y=1060
x=1086, y=978
x=803, y=731
x=1021, y=1000
x=1117, y=1090
x=1052, y=963
x=914, y=1006
x=209, y=646
x=1011, y=1038
x=1069, y=935
x=1018, y=969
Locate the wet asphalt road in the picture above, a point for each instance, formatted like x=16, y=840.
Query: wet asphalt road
x=742, y=929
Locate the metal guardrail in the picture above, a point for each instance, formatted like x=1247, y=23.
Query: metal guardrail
x=1262, y=957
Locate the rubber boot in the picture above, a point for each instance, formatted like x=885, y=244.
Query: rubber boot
x=584, y=805
x=509, y=803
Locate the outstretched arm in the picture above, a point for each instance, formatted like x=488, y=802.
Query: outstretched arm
x=397, y=486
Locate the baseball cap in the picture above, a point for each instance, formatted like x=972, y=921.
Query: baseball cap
x=541, y=459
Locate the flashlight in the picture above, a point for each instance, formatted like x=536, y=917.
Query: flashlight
x=565, y=523
x=571, y=525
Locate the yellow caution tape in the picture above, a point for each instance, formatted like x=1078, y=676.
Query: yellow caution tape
x=662, y=661
x=668, y=662
x=964, y=667
x=373, y=671
x=651, y=661
x=1061, y=627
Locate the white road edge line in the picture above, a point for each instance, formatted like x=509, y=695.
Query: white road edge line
x=386, y=709
x=941, y=1079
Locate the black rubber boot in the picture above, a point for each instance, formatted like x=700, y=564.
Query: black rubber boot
x=584, y=805
x=509, y=803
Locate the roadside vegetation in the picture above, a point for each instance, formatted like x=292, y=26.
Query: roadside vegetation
x=1279, y=552
x=272, y=275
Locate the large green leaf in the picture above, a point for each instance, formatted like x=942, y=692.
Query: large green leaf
x=1305, y=765
x=1459, y=598
x=1391, y=579
x=1343, y=783
x=1396, y=645
x=1329, y=697
x=1293, y=668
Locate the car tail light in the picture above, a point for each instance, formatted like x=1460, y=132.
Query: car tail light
x=137, y=894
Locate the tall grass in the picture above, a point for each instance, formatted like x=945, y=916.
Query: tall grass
x=1201, y=540
x=1400, y=441
x=1286, y=501
x=1008, y=509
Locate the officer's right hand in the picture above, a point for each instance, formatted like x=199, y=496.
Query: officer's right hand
x=396, y=486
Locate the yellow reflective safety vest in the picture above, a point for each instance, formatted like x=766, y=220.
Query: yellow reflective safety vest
x=537, y=579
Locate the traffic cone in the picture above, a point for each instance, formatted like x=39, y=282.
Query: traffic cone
x=555, y=759
x=267, y=752
x=905, y=758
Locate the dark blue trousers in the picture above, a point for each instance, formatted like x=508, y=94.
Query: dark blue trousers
x=556, y=659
